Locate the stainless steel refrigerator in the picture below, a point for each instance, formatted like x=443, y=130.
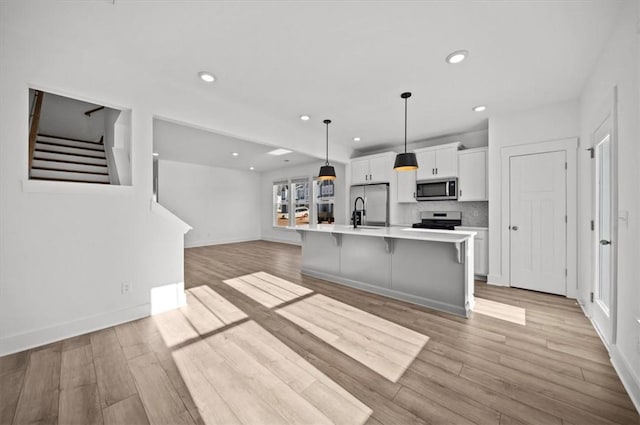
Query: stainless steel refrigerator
x=376, y=204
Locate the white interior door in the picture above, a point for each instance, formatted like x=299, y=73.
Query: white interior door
x=603, y=293
x=538, y=208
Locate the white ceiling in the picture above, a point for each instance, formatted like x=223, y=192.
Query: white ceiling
x=344, y=60
x=177, y=142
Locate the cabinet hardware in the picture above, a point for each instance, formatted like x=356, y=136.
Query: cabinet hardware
x=514, y=228
x=591, y=296
x=436, y=171
x=460, y=195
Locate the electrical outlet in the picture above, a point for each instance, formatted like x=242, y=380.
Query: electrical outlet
x=126, y=288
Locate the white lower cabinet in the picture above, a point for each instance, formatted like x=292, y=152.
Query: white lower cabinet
x=480, y=249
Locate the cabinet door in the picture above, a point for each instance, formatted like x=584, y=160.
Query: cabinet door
x=406, y=190
x=359, y=171
x=426, y=165
x=380, y=169
x=472, y=182
x=447, y=162
x=481, y=260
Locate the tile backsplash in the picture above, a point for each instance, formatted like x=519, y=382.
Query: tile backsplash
x=474, y=214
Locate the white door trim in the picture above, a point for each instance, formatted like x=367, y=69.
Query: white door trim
x=569, y=146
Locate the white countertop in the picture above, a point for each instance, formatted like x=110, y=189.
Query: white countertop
x=452, y=236
x=471, y=228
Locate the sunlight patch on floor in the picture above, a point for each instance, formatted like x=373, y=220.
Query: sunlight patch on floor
x=244, y=375
x=205, y=312
x=509, y=313
x=266, y=289
x=381, y=345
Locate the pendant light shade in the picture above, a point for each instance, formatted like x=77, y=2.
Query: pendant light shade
x=406, y=161
x=327, y=172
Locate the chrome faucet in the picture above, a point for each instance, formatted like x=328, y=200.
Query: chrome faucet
x=355, y=211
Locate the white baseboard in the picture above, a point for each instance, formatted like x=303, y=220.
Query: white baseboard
x=209, y=242
x=627, y=375
x=24, y=341
x=287, y=241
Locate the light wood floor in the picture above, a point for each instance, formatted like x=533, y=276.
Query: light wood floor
x=548, y=367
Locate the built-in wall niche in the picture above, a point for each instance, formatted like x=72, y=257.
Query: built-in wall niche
x=71, y=140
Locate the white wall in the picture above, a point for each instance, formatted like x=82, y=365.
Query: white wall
x=222, y=205
x=271, y=233
x=618, y=65
x=552, y=122
x=66, y=248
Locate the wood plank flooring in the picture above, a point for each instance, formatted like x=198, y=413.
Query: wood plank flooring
x=226, y=357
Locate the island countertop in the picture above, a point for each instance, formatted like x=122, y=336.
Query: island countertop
x=432, y=235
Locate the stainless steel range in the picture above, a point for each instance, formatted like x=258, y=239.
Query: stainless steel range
x=443, y=220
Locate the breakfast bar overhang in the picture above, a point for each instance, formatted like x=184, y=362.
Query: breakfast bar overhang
x=432, y=268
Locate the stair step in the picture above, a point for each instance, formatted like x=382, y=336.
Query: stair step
x=68, y=176
x=67, y=166
x=69, y=158
x=71, y=143
x=70, y=139
x=69, y=150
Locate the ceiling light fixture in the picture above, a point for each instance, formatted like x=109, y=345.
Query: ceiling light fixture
x=327, y=172
x=479, y=108
x=207, y=77
x=356, y=139
x=234, y=154
x=457, y=56
x=251, y=168
x=278, y=152
x=156, y=154
x=406, y=161
x=305, y=117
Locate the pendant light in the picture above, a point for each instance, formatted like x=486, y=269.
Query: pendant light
x=327, y=172
x=406, y=161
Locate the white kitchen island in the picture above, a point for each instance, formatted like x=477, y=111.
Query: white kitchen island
x=432, y=268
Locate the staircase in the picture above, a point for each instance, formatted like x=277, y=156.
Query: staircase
x=62, y=159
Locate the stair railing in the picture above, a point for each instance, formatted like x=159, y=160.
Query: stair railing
x=34, y=119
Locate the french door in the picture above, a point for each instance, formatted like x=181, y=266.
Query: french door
x=603, y=295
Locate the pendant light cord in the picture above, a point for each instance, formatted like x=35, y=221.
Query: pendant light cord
x=405, y=125
x=327, y=157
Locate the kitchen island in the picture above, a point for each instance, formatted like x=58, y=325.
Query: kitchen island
x=432, y=268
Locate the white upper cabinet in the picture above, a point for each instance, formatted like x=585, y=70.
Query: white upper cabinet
x=372, y=169
x=472, y=169
x=438, y=162
x=359, y=171
x=406, y=191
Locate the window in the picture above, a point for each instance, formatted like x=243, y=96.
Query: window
x=324, y=201
x=302, y=201
x=281, y=204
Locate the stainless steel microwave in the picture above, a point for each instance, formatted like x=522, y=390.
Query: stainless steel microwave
x=437, y=190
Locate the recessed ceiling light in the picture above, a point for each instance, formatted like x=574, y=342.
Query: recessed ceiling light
x=479, y=108
x=235, y=153
x=278, y=152
x=251, y=168
x=457, y=56
x=207, y=77
x=356, y=139
x=305, y=117
x=156, y=154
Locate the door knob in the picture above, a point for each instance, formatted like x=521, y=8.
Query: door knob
x=605, y=242
x=514, y=227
